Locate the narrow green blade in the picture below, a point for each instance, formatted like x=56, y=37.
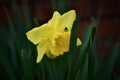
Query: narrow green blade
x=63, y=6
x=36, y=22
x=72, y=48
x=27, y=15
x=107, y=71
x=84, y=49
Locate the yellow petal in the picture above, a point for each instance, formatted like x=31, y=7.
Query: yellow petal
x=42, y=48
x=78, y=42
x=37, y=34
x=50, y=55
x=55, y=20
x=67, y=20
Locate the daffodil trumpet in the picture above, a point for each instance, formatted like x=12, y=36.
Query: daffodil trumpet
x=53, y=37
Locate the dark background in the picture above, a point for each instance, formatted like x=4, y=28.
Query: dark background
x=106, y=11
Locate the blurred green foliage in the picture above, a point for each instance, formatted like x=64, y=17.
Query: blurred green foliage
x=18, y=55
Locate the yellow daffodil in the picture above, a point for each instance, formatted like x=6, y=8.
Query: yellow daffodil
x=53, y=37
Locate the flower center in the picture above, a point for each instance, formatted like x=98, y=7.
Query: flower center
x=61, y=44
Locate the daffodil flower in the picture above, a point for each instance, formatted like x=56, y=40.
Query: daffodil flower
x=53, y=37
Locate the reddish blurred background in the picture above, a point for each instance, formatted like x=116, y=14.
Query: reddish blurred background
x=108, y=11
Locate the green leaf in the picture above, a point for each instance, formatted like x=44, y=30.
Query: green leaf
x=92, y=57
x=41, y=71
x=27, y=15
x=91, y=62
x=73, y=38
x=50, y=70
x=61, y=64
x=84, y=49
x=21, y=28
x=47, y=67
x=54, y=5
x=3, y=38
x=8, y=68
x=12, y=30
x=63, y=6
x=36, y=22
x=27, y=65
x=107, y=71
x=5, y=64
x=82, y=73
x=72, y=48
